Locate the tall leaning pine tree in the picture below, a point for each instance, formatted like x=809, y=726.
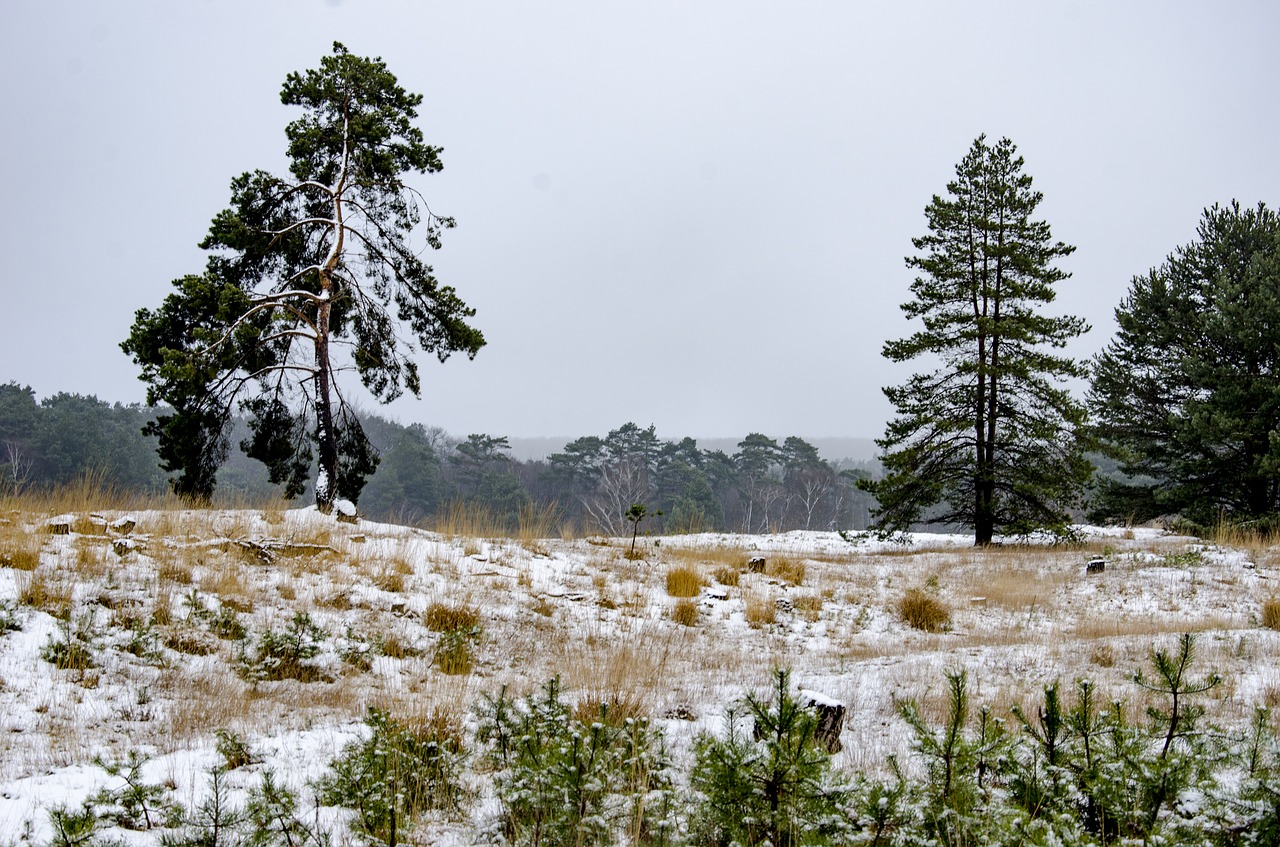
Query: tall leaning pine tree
x=309, y=275
x=989, y=439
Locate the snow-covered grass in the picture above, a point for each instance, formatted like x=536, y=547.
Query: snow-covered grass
x=157, y=598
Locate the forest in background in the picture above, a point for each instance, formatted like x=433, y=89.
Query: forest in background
x=764, y=485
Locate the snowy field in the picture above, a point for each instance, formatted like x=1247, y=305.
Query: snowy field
x=151, y=600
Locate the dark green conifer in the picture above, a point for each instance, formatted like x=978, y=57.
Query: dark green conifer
x=989, y=437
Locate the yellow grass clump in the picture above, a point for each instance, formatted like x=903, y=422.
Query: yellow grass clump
x=923, y=611
x=785, y=569
x=685, y=612
x=683, y=581
x=447, y=617
x=1271, y=613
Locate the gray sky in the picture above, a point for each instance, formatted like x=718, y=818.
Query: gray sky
x=691, y=214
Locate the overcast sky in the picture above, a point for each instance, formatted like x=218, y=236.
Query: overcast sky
x=690, y=214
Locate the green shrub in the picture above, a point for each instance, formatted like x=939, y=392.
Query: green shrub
x=396, y=774
x=285, y=655
x=564, y=781
x=135, y=804
x=774, y=786
x=74, y=650
x=73, y=828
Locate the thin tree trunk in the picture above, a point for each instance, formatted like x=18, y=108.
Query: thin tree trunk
x=326, y=438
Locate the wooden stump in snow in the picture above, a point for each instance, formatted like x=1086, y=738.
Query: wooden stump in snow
x=756, y=564
x=830, y=719
x=830, y=715
x=1096, y=566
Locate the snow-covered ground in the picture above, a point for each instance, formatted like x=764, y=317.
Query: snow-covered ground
x=162, y=681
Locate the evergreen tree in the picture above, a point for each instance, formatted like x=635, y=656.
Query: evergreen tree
x=308, y=275
x=990, y=437
x=1188, y=391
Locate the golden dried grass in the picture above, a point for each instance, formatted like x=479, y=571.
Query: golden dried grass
x=685, y=612
x=684, y=581
x=1271, y=613
x=451, y=617
x=921, y=610
x=761, y=610
x=786, y=569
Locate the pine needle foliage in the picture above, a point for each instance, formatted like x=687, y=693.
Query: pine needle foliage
x=775, y=786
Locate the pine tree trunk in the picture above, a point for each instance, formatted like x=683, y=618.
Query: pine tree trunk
x=326, y=438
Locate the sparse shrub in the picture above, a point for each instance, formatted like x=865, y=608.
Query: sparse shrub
x=234, y=750
x=727, y=576
x=568, y=781
x=1190, y=558
x=788, y=570
x=1103, y=655
x=74, y=650
x=224, y=623
x=285, y=655
x=1271, y=613
x=961, y=766
x=772, y=784
x=272, y=813
x=401, y=771
x=73, y=829
x=215, y=821
x=923, y=611
x=9, y=620
x=685, y=612
x=136, y=804
x=445, y=617
x=683, y=582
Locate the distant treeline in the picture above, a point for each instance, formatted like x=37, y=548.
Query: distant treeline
x=765, y=485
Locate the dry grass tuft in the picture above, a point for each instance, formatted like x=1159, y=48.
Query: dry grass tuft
x=614, y=709
x=1271, y=613
x=725, y=575
x=447, y=617
x=808, y=605
x=785, y=569
x=685, y=612
x=40, y=592
x=1102, y=655
x=923, y=611
x=761, y=611
x=683, y=581
x=19, y=549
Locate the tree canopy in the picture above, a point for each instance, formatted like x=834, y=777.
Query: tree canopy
x=1188, y=391
x=308, y=276
x=988, y=438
